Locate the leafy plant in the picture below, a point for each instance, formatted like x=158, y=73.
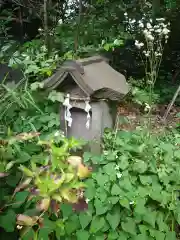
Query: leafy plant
x=51, y=178
x=134, y=192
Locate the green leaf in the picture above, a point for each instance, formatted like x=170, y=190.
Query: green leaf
x=101, y=179
x=90, y=191
x=82, y=235
x=113, y=200
x=171, y=236
x=97, y=224
x=115, y=190
x=84, y=219
x=87, y=156
x=141, y=237
x=27, y=233
x=124, y=203
x=163, y=227
x=56, y=96
x=140, y=166
x=109, y=169
x=20, y=198
x=143, y=229
x=101, y=194
x=44, y=233
x=114, y=218
x=112, y=236
x=72, y=224
x=123, y=164
x=150, y=217
x=123, y=236
x=129, y=226
x=145, y=180
x=101, y=208
x=139, y=207
x=24, y=157
x=66, y=210
x=8, y=221
x=159, y=235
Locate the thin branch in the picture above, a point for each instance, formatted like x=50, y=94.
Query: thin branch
x=171, y=103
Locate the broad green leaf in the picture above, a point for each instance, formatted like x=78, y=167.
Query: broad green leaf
x=163, y=227
x=114, y=218
x=27, y=233
x=112, y=236
x=170, y=236
x=115, y=190
x=66, y=210
x=101, y=193
x=72, y=224
x=82, y=235
x=145, y=180
x=84, y=219
x=124, y=163
x=20, y=198
x=150, y=217
x=159, y=235
x=101, y=179
x=90, y=191
x=86, y=156
x=8, y=221
x=97, y=224
x=113, y=200
x=141, y=237
x=101, y=208
x=124, y=203
x=109, y=169
x=123, y=236
x=44, y=233
x=129, y=226
x=143, y=229
x=139, y=207
x=140, y=166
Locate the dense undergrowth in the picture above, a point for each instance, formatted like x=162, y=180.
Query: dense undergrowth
x=132, y=190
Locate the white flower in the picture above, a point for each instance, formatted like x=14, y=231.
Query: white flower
x=145, y=32
x=157, y=54
x=146, y=53
x=60, y=21
x=141, y=25
x=125, y=14
x=40, y=29
x=116, y=167
x=87, y=200
x=165, y=31
x=119, y=175
x=148, y=26
x=57, y=133
x=158, y=30
x=132, y=21
x=19, y=227
x=116, y=41
x=139, y=44
x=131, y=203
x=103, y=42
x=150, y=37
x=160, y=19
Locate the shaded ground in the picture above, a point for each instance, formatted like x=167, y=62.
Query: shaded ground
x=131, y=116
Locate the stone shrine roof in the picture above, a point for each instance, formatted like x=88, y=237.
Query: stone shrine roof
x=93, y=75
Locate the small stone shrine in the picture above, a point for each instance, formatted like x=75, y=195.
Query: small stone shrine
x=89, y=84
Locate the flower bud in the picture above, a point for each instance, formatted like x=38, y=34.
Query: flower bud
x=43, y=205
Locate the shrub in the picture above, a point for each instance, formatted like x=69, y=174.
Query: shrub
x=31, y=193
